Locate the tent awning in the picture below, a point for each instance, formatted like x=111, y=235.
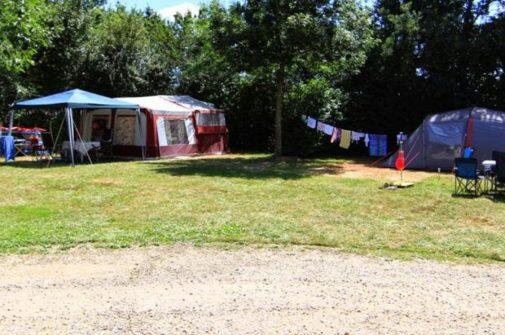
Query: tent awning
x=74, y=99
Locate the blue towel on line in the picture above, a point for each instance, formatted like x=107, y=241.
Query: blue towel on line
x=378, y=145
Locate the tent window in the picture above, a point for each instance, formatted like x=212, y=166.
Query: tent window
x=175, y=131
x=124, y=130
x=210, y=119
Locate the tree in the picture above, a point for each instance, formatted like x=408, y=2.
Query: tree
x=492, y=63
x=205, y=72
x=128, y=53
x=61, y=65
x=279, y=38
x=163, y=54
x=433, y=56
x=22, y=31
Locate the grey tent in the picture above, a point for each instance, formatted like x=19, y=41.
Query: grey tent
x=442, y=137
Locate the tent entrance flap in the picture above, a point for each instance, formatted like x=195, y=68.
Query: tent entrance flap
x=141, y=133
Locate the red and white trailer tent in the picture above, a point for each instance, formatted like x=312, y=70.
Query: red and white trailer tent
x=169, y=126
x=210, y=124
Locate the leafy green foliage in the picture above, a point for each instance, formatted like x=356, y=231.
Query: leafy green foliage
x=290, y=42
x=433, y=56
x=22, y=33
x=128, y=53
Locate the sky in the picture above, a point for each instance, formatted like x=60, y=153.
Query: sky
x=167, y=8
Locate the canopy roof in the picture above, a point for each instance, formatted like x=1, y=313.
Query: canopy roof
x=158, y=105
x=74, y=99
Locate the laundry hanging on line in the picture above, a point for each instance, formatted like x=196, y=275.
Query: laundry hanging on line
x=311, y=123
x=320, y=126
x=328, y=130
x=357, y=136
x=376, y=143
x=345, y=139
x=335, y=135
x=325, y=128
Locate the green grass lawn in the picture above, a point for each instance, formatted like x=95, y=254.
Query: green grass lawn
x=246, y=199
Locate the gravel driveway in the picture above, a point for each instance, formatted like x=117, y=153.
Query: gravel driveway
x=187, y=290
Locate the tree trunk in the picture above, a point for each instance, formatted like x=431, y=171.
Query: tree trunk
x=279, y=95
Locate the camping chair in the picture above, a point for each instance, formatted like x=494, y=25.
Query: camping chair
x=43, y=149
x=499, y=157
x=21, y=145
x=467, y=179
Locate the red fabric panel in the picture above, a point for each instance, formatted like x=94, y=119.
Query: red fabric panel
x=211, y=129
x=469, y=133
x=151, y=136
x=212, y=143
x=178, y=150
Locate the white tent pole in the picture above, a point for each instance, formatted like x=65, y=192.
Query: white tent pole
x=11, y=121
x=83, y=144
x=70, y=127
x=141, y=133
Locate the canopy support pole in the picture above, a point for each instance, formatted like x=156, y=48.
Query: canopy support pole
x=141, y=134
x=55, y=140
x=83, y=144
x=70, y=127
x=11, y=121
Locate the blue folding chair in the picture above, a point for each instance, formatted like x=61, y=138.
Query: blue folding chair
x=467, y=179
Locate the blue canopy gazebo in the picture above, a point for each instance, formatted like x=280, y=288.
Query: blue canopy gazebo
x=69, y=100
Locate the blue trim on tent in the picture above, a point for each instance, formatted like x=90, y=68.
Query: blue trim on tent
x=74, y=99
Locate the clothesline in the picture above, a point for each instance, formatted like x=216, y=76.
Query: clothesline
x=376, y=143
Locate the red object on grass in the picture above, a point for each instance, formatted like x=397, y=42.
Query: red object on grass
x=400, y=161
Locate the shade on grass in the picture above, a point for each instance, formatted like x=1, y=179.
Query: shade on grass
x=243, y=199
